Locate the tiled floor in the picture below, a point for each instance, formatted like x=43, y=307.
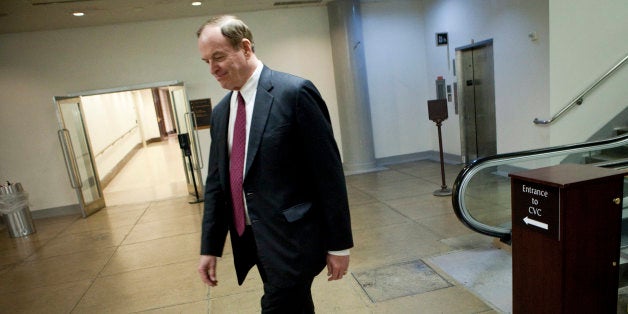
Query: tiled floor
x=142, y=257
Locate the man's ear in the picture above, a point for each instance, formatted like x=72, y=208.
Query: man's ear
x=247, y=46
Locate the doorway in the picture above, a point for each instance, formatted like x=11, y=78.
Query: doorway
x=476, y=94
x=152, y=173
x=129, y=142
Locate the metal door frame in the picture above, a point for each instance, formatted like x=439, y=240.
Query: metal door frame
x=66, y=142
x=69, y=156
x=187, y=124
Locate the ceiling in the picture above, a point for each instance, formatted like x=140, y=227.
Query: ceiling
x=37, y=15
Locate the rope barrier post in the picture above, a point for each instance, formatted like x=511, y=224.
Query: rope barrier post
x=437, y=111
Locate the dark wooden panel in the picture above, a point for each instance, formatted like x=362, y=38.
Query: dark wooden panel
x=576, y=271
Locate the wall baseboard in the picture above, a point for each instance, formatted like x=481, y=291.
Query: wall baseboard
x=153, y=140
x=67, y=210
x=426, y=155
x=105, y=180
x=381, y=163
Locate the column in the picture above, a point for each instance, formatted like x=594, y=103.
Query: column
x=345, y=24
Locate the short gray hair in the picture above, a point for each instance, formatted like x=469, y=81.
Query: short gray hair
x=232, y=28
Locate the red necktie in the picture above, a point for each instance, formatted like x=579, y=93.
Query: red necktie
x=236, y=165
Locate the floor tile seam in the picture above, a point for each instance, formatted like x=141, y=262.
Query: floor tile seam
x=433, y=216
x=239, y=291
x=358, y=229
x=98, y=274
x=386, y=202
x=415, y=196
x=439, y=181
x=387, y=169
x=395, y=210
x=377, y=182
x=457, y=283
x=441, y=272
x=39, y=248
x=133, y=226
x=44, y=286
x=91, y=249
x=356, y=287
x=101, y=275
x=397, y=261
x=117, y=226
x=168, y=306
x=434, y=233
x=384, y=227
x=412, y=173
x=399, y=197
x=363, y=288
x=179, y=201
x=168, y=219
x=410, y=295
x=428, y=182
x=122, y=244
x=359, y=189
x=92, y=281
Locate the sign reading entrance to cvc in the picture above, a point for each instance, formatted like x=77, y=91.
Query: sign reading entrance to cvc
x=536, y=207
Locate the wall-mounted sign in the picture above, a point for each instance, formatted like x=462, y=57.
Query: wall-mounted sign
x=441, y=39
x=202, y=109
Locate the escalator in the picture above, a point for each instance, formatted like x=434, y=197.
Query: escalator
x=481, y=192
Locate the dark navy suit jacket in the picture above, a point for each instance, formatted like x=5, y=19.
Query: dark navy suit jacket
x=294, y=184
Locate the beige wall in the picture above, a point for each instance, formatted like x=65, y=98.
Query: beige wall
x=36, y=66
x=584, y=38
x=587, y=39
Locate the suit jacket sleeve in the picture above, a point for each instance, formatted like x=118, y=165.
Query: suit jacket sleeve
x=215, y=224
x=322, y=159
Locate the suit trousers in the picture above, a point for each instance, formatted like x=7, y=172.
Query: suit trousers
x=296, y=299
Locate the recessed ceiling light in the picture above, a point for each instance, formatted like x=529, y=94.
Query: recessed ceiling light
x=196, y=3
x=78, y=14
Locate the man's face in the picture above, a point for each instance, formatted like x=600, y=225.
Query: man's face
x=228, y=65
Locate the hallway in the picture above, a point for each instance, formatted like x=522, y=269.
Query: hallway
x=154, y=173
x=142, y=257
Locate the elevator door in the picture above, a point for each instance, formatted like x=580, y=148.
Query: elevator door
x=476, y=90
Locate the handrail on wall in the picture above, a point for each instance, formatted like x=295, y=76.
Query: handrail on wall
x=131, y=130
x=580, y=98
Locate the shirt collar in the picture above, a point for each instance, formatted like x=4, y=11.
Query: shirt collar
x=250, y=87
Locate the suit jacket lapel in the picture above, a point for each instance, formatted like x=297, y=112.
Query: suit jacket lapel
x=263, y=103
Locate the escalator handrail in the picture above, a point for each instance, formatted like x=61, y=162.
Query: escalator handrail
x=465, y=175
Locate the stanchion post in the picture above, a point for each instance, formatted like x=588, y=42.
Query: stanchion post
x=184, y=143
x=437, y=111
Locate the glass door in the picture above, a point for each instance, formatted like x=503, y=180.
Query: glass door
x=78, y=155
x=186, y=124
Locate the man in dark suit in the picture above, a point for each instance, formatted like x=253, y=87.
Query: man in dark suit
x=275, y=181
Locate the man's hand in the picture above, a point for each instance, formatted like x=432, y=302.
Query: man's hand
x=337, y=266
x=207, y=270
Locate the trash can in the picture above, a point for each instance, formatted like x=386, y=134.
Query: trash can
x=15, y=211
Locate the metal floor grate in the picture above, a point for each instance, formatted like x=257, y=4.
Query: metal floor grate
x=399, y=280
